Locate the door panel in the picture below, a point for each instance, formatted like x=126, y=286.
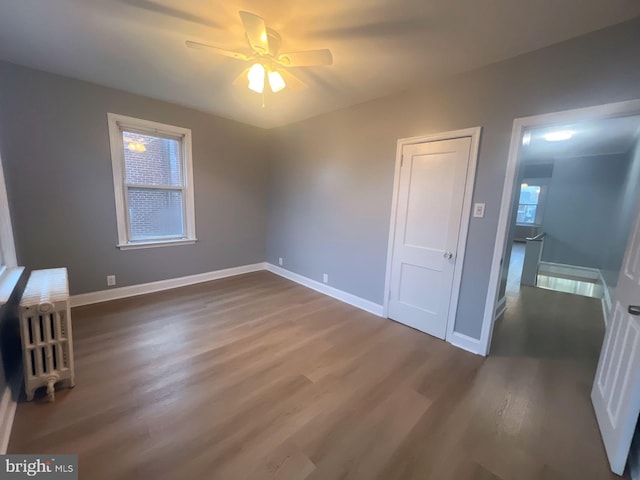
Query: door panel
x=411, y=291
x=436, y=172
x=430, y=198
x=616, y=390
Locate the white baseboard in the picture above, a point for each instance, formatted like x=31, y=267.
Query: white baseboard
x=465, y=342
x=341, y=295
x=586, y=273
x=141, y=289
x=8, y=405
x=501, y=307
x=457, y=339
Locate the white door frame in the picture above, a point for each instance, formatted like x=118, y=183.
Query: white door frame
x=474, y=134
x=609, y=110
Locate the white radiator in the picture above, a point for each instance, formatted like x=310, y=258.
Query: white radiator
x=45, y=328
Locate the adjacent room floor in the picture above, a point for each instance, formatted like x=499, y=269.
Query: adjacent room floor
x=549, y=280
x=255, y=377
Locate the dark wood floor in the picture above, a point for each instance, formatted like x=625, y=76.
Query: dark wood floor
x=255, y=377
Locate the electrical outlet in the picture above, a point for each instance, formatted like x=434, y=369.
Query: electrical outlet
x=111, y=280
x=325, y=278
x=280, y=261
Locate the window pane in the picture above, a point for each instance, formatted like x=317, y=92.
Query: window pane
x=529, y=195
x=150, y=160
x=526, y=214
x=155, y=213
x=530, y=214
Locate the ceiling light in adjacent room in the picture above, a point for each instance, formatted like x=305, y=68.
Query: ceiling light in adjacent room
x=559, y=135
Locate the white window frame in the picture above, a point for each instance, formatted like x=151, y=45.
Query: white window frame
x=118, y=123
x=10, y=272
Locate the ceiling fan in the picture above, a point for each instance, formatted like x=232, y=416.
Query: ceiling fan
x=268, y=65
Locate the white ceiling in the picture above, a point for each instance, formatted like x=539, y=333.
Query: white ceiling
x=379, y=46
x=603, y=137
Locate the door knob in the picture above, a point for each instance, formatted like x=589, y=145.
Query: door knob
x=449, y=256
x=634, y=309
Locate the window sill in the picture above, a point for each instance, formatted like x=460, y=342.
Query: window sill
x=8, y=280
x=154, y=244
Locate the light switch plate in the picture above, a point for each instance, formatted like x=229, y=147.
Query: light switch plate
x=478, y=210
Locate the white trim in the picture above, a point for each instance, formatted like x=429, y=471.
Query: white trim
x=341, y=295
x=465, y=342
x=474, y=134
x=585, y=273
x=8, y=280
x=143, y=288
x=501, y=307
x=158, y=243
x=116, y=123
x=8, y=405
x=7, y=245
x=519, y=124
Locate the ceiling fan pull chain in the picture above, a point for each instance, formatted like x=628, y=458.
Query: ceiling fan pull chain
x=263, y=94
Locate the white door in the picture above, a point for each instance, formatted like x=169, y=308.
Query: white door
x=616, y=389
x=429, y=211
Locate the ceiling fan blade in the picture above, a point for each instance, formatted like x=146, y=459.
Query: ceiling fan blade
x=292, y=80
x=308, y=58
x=256, y=32
x=219, y=51
x=242, y=79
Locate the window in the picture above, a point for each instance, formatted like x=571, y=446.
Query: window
x=10, y=273
x=529, y=205
x=7, y=246
x=153, y=182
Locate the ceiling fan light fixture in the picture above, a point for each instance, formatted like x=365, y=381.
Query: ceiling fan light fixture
x=276, y=82
x=267, y=64
x=256, y=77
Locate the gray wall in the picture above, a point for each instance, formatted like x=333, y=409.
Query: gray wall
x=55, y=148
x=581, y=207
x=626, y=210
x=332, y=176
